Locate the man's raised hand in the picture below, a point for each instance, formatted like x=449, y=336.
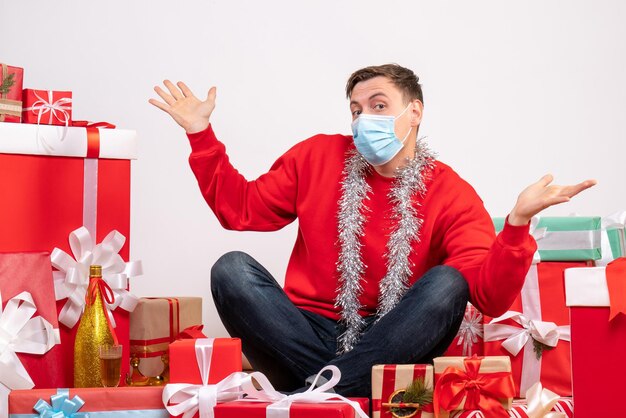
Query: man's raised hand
x=541, y=195
x=186, y=109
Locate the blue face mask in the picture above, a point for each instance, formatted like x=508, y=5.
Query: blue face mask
x=375, y=137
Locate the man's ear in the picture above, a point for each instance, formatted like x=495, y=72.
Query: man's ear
x=416, y=113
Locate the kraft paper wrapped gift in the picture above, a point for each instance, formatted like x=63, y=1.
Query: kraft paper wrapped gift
x=51, y=187
x=11, y=79
x=564, y=238
x=389, y=381
x=597, y=300
x=155, y=323
x=491, y=389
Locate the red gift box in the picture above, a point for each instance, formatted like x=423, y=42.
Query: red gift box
x=520, y=410
x=46, y=194
x=47, y=107
x=598, y=342
x=543, y=318
x=32, y=272
x=225, y=359
x=238, y=409
x=469, y=339
x=126, y=401
x=11, y=79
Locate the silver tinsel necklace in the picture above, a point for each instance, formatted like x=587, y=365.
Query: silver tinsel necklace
x=408, y=181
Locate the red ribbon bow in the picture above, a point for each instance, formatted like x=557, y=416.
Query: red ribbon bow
x=616, y=282
x=98, y=284
x=480, y=390
x=192, y=332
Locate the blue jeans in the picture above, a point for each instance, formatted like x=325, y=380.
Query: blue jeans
x=289, y=344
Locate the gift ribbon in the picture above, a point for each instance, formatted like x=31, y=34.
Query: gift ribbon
x=471, y=330
x=20, y=332
x=616, y=283
x=479, y=390
x=61, y=406
x=188, y=399
x=281, y=403
x=55, y=109
x=531, y=328
x=615, y=221
x=540, y=402
x=192, y=332
x=93, y=135
x=72, y=279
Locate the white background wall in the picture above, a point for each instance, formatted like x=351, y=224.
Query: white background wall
x=512, y=90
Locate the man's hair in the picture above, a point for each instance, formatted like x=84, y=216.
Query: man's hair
x=401, y=77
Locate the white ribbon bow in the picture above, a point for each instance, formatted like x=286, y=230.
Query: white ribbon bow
x=471, y=330
x=72, y=279
x=282, y=403
x=615, y=221
x=187, y=399
x=20, y=332
x=515, y=338
x=540, y=402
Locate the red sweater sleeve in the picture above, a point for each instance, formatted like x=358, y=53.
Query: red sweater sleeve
x=265, y=204
x=494, y=270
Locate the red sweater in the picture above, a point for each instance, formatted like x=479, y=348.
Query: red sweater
x=305, y=183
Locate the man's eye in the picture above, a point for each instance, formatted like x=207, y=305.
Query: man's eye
x=356, y=112
x=379, y=106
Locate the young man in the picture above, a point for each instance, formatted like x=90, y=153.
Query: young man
x=391, y=243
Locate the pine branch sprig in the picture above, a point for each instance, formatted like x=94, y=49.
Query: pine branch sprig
x=7, y=83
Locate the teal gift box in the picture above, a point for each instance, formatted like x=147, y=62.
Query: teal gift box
x=564, y=238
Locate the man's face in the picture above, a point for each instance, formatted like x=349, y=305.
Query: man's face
x=379, y=96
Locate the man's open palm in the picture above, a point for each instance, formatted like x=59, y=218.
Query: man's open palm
x=541, y=195
x=186, y=109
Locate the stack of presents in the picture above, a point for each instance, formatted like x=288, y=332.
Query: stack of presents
x=65, y=208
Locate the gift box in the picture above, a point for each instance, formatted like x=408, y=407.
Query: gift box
x=143, y=402
x=613, y=238
x=565, y=238
x=519, y=409
x=535, y=331
x=28, y=324
x=238, y=409
x=11, y=79
x=224, y=359
x=469, y=339
x=154, y=324
x=390, y=382
x=47, y=107
x=596, y=296
x=50, y=189
x=473, y=383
